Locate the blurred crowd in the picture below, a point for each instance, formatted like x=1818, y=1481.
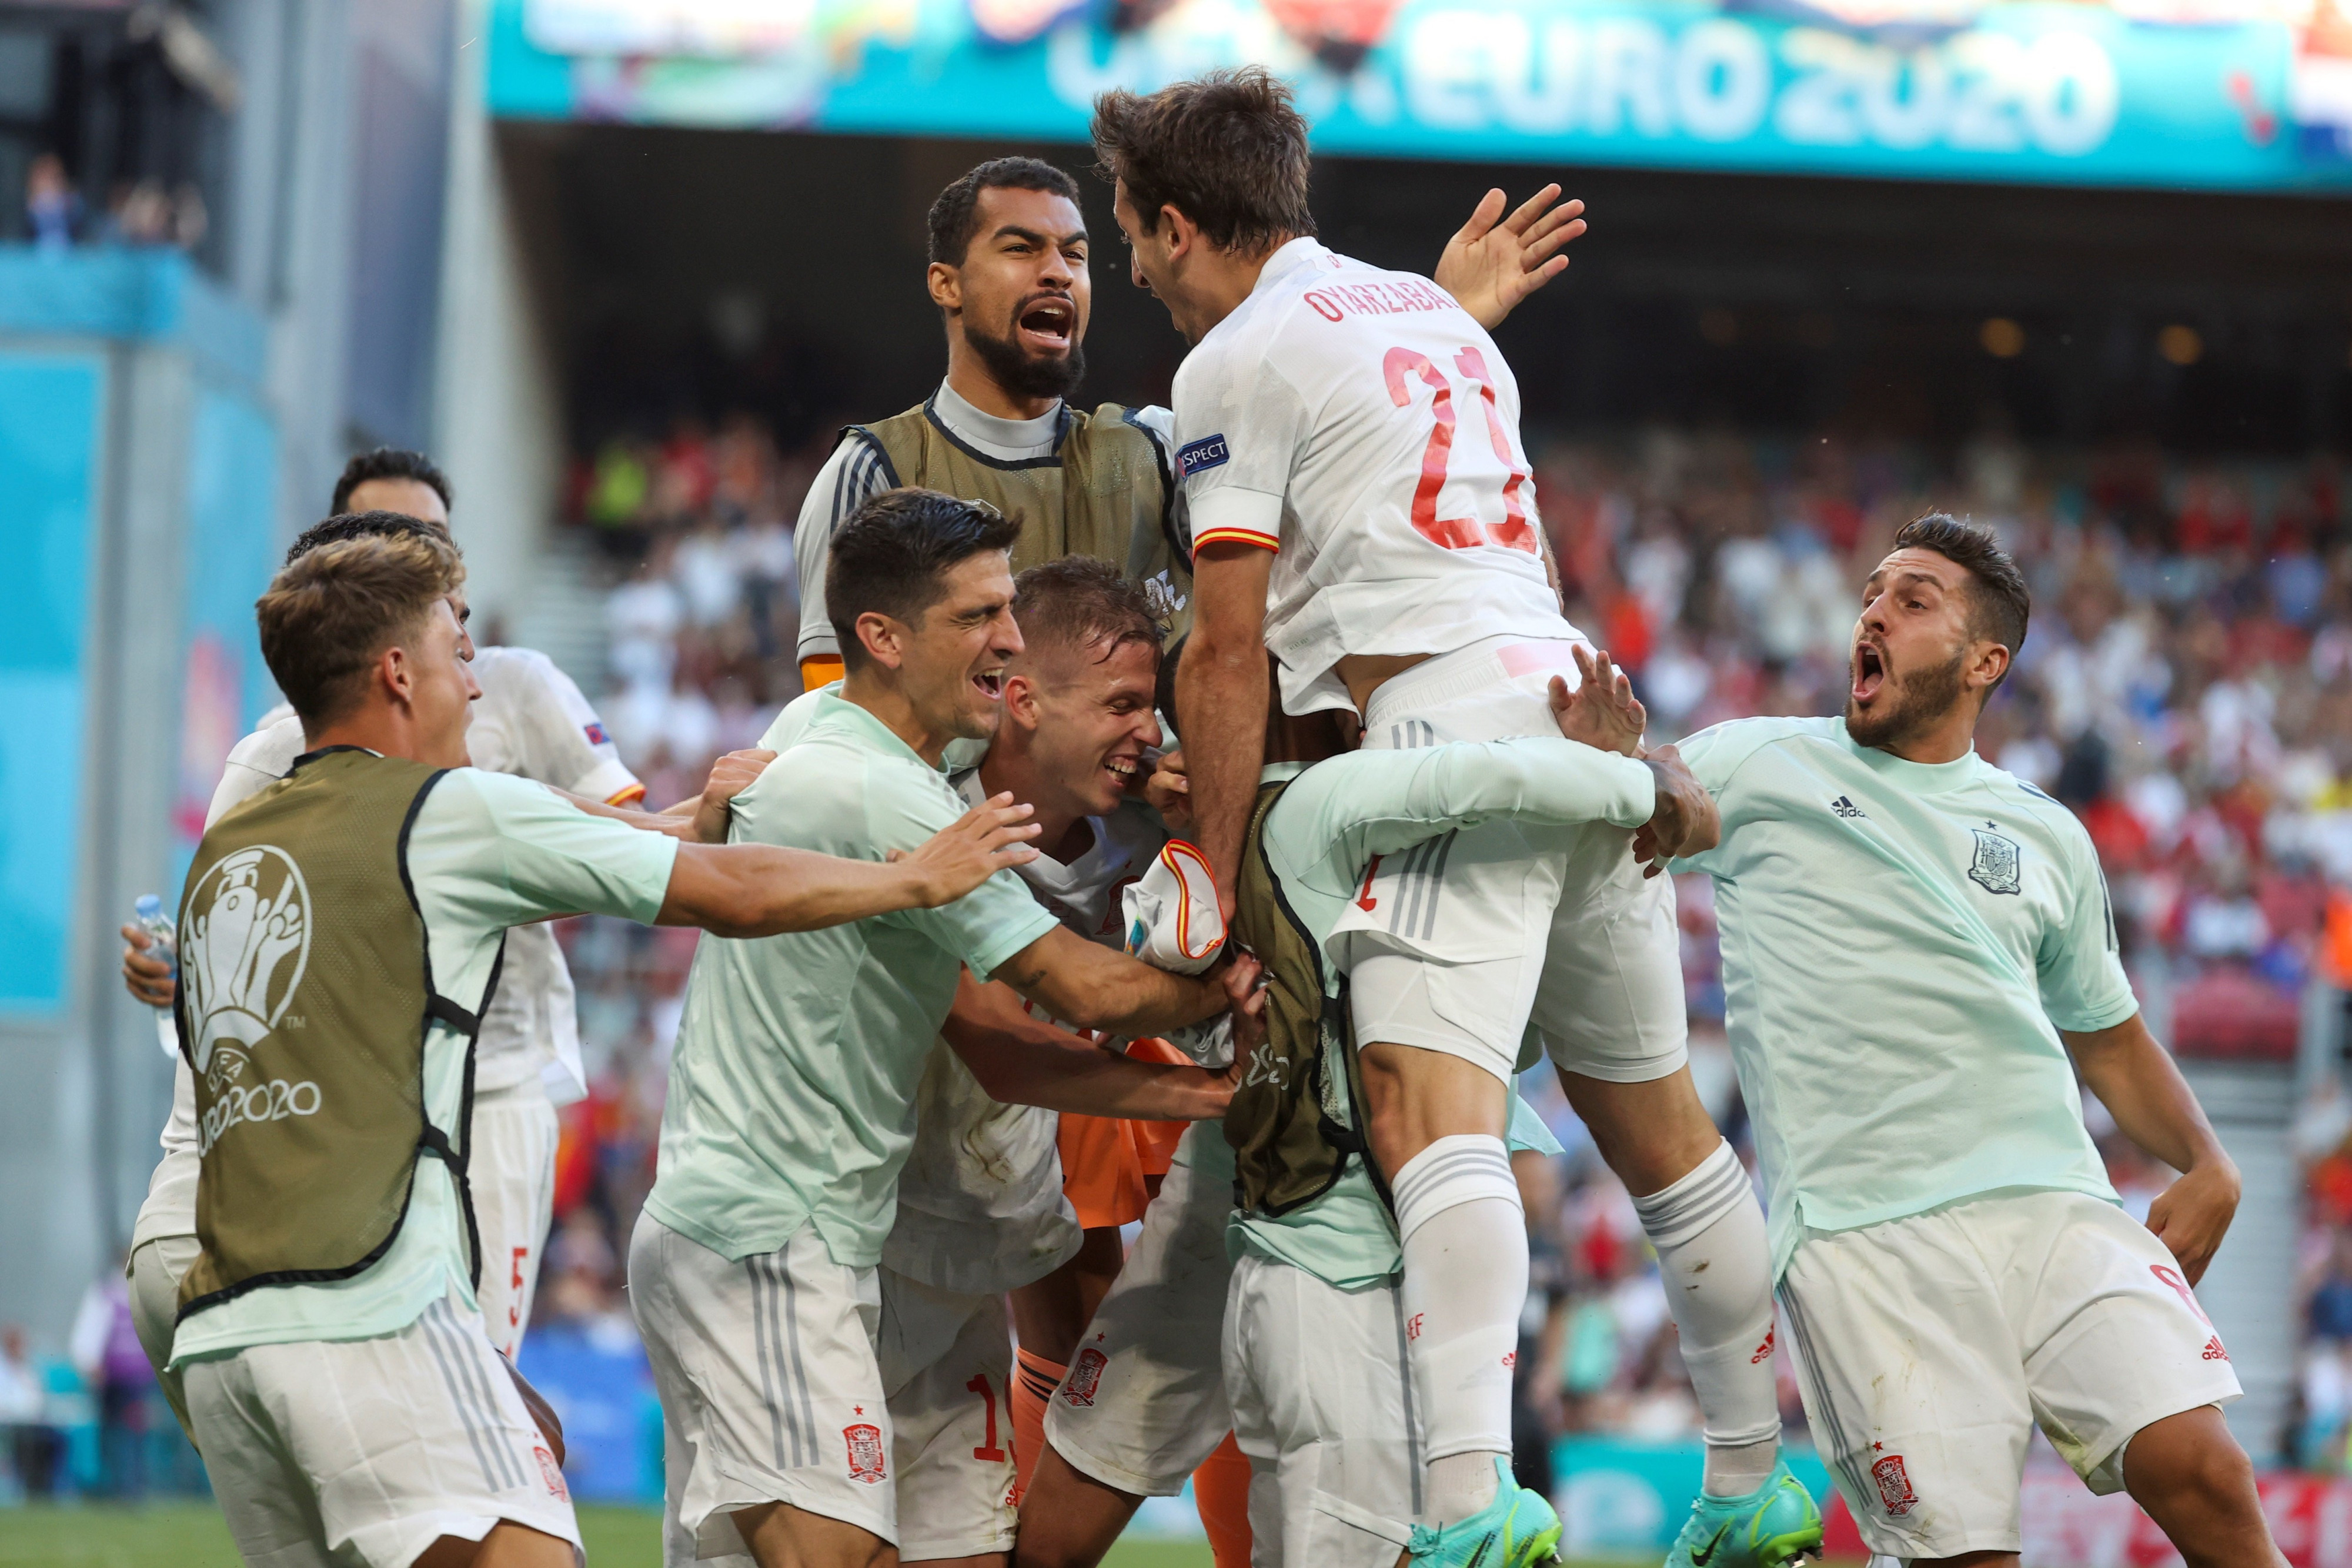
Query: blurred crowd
x=2187, y=689
x=135, y=213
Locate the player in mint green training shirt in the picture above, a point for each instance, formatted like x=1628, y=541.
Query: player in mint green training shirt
x=1919, y=956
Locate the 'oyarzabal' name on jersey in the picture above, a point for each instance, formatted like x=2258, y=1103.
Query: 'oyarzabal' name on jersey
x=1393, y=297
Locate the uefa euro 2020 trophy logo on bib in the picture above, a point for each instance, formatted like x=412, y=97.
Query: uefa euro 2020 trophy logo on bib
x=247, y=940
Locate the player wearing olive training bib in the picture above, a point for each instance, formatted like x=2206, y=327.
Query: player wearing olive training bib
x=1918, y=955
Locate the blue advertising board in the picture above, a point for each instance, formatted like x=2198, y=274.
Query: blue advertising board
x=2050, y=93
x=51, y=406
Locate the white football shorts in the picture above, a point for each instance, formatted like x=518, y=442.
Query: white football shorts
x=947, y=1372
x=1322, y=1403
x=1143, y=1402
x=155, y=1269
x=512, y=1172
x=1498, y=942
x=769, y=1385
x=367, y=1452
x=1927, y=1348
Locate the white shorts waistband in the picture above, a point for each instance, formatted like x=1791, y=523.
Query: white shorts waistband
x=1490, y=662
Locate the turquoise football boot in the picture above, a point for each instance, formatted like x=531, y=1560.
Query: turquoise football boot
x=1775, y=1525
x=1517, y=1530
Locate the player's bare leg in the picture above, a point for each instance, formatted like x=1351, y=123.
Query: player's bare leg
x=2197, y=1483
x=1069, y=1519
x=782, y=1536
x=508, y=1545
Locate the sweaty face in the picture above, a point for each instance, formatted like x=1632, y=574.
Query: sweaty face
x=442, y=688
x=1094, y=720
x=1910, y=647
x=409, y=497
x=1024, y=293
x=953, y=670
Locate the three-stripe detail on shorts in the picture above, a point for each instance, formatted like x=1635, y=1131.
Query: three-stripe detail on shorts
x=1420, y=878
x=1809, y=1365
x=470, y=1394
x=776, y=1339
x=1412, y=735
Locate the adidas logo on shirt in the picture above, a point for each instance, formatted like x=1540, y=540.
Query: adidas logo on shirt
x=1845, y=807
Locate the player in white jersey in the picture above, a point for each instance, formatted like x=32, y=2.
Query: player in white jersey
x=532, y=721
x=1919, y=956
x=1008, y=268
x=1361, y=505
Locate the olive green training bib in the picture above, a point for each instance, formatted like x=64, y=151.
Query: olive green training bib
x=1104, y=492
x=305, y=994
x=1292, y=1122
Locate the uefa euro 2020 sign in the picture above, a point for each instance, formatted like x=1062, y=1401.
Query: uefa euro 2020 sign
x=2214, y=94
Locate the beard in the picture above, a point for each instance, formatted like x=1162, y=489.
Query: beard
x=1920, y=700
x=1022, y=375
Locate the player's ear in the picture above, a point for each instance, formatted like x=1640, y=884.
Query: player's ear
x=945, y=285
x=884, y=639
x=1990, y=664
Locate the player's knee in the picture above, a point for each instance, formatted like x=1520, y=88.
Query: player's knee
x=2191, y=1459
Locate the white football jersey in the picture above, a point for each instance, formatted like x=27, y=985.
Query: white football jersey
x=1361, y=425
x=980, y=1199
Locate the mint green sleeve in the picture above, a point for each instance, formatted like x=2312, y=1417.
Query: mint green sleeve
x=509, y=851
x=1378, y=802
x=985, y=926
x=1717, y=757
x=2080, y=964
x=1526, y=1129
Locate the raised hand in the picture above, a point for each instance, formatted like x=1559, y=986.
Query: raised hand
x=1490, y=267
x=730, y=776
x=1604, y=712
x=990, y=838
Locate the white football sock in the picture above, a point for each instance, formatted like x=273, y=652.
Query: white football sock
x=1718, y=1265
x=1465, y=1279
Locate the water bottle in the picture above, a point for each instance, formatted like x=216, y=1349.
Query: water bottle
x=148, y=914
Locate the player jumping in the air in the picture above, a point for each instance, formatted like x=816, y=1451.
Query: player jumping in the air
x=1361, y=505
x=1918, y=958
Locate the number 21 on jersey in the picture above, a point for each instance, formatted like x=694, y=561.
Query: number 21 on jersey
x=1402, y=368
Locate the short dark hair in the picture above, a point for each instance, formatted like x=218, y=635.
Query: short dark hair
x=1228, y=149
x=361, y=525
x=955, y=215
x=329, y=615
x=887, y=559
x=2000, y=604
x=389, y=463
x=1078, y=601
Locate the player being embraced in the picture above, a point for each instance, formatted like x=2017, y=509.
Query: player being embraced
x=792, y=1103
x=984, y=1207
x=1919, y=956
x=1310, y=1360
x=1010, y=271
x=340, y=935
x=1362, y=507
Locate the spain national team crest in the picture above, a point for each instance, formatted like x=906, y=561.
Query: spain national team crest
x=1894, y=1485
x=866, y=1461
x=1996, y=865
x=1085, y=1375
x=551, y=1473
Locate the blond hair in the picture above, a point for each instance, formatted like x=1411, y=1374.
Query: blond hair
x=331, y=613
